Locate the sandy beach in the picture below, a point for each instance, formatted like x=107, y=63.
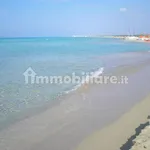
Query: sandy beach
x=105, y=118
x=74, y=75
x=115, y=136
x=142, y=140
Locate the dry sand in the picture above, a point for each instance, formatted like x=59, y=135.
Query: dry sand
x=142, y=142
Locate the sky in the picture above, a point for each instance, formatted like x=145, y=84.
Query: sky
x=31, y=18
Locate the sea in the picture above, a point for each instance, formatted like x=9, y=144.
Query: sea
x=54, y=56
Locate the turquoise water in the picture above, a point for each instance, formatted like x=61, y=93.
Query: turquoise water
x=47, y=57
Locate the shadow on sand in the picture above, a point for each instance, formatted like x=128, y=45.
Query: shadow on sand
x=128, y=145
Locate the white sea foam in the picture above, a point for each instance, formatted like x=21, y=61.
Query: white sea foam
x=87, y=79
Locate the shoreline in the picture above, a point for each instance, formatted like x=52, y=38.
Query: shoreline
x=74, y=120
x=139, y=56
x=114, y=70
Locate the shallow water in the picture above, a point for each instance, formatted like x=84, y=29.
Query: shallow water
x=53, y=56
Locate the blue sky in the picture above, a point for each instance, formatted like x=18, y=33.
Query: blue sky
x=70, y=17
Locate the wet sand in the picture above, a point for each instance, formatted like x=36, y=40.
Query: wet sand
x=101, y=119
x=115, y=136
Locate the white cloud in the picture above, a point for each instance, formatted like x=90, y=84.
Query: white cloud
x=123, y=9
